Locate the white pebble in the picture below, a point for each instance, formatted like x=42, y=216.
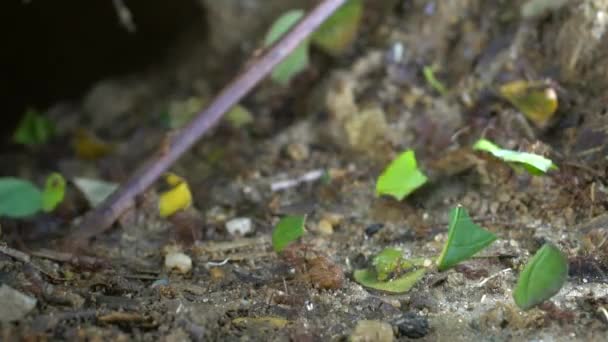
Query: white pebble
x=179, y=261
x=239, y=226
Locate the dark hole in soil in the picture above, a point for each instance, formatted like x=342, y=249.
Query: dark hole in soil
x=55, y=50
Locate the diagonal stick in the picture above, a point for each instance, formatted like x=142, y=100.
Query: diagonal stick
x=102, y=217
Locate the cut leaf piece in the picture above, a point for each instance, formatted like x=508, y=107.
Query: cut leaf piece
x=542, y=277
x=429, y=76
x=175, y=199
x=465, y=238
x=239, y=116
x=338, y=32
x=401, y=177
x=95, y=191
x=289, y=229
x=33, y=129
x=389, y=261
x=535, y=164
x=54, y=191
x=18, y=198
x=536, y=100
x=402, y=284
x=298, y=59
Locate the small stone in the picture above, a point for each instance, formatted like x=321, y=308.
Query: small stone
x=333, y=218
x=337, y=174
x=412, y=325
x=217, y=273
x=455, y=280
x=367, y=129
x=14, y=305
x=372, y=331
x=239, y=226
x=298, y=151
x=216, y=214
x=373, y=228
x=325, y=227
x=340, y=99
x=504, y=197
x=177, y=335
x=325, y=274
x=178, y=261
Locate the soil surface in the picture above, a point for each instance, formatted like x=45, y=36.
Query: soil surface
x=331, y=132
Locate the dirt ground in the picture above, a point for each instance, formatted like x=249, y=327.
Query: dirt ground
x=333, y=130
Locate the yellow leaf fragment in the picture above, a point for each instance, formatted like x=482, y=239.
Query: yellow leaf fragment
x=536, y=100
x=89, y=146
x=177, y=198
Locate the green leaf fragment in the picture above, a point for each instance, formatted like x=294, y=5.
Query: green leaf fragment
x=402, y=284
x=239, y=117
x=54, y=191
x=401, y=177
x=486, y=145
x=289, y=229
x=429, y=76
x=389, y=261
x=337, y=33
x=19, y=198
x=33, y=129
x=542, y=277
x=533, y=163
x=298, y=59
x=465, y=238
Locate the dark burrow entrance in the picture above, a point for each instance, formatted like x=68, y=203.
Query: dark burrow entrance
x=56, y=50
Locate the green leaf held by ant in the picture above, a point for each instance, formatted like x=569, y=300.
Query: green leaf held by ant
x=542, y=277
x=533, y=163
x=401, y=177
x=465, y=239
x=288, y=230
x=298, y=60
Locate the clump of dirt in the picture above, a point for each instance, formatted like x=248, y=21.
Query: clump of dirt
x=316, y=148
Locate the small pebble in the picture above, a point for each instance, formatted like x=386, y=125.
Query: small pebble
x=373, y=228
x=504, y=197
x=333, y=218
x=298, y=151
x=325, y=274
x=216, y=273
x=239, y=226
x=372, y=331
x=455, y=280
x=325, y=227
x=412, y=325
x=178, y=261
x=14, y=305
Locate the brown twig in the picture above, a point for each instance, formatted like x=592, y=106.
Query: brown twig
x=19, y=255
x=108, y=212
x=80, y=261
